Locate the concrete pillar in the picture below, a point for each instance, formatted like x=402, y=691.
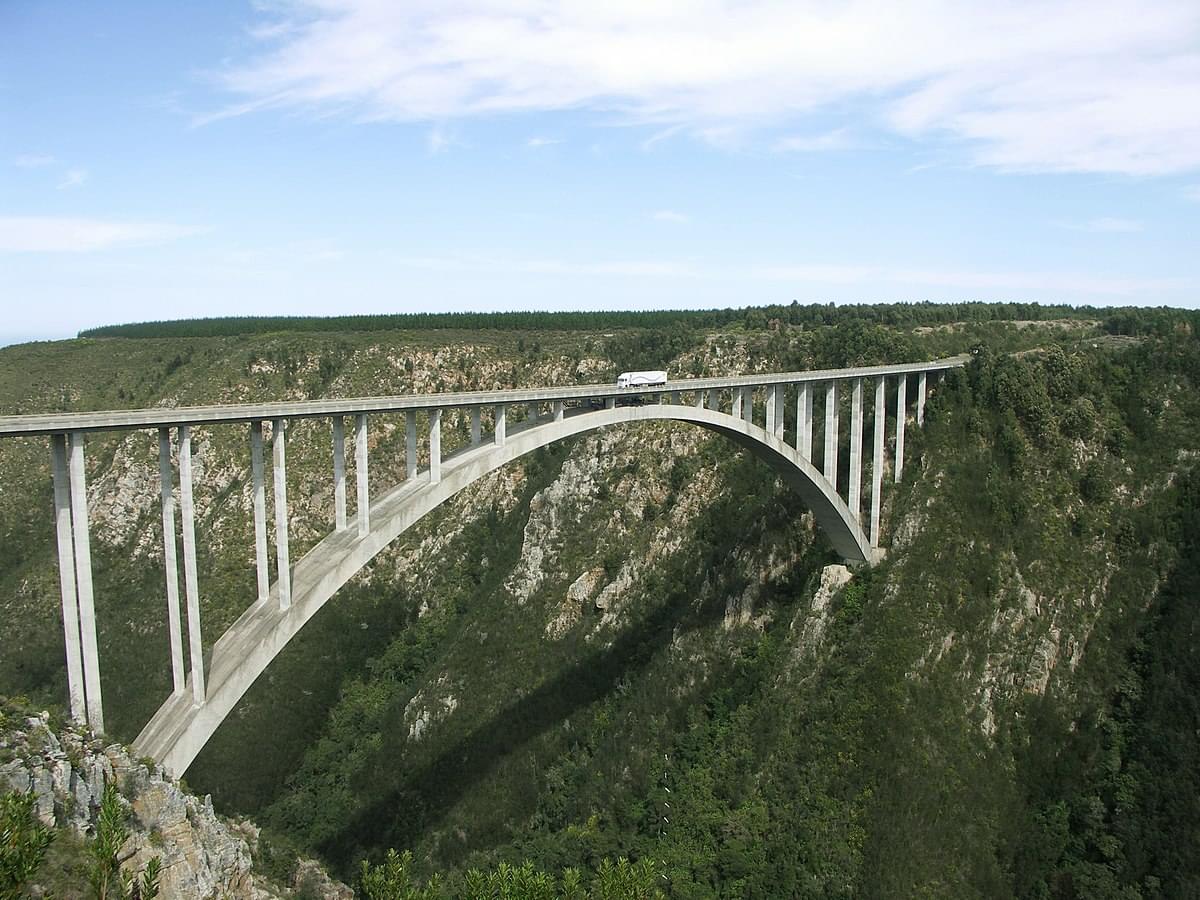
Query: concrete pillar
x=921, y=388
x=170, y=562
x=435, y=446
x=748, y=404
x=856, y=426
x=610, y=402
x=560, y=410
x=501, y=425
x=66, y=577
x=81, y=534
x=187, y=513
x=780, y=393
x=283, y=565
x=831, y=433
x=714, y=400
x=738, y=399
x=410, y=443
x=260, y=511
x=361, y=474
x=701, y=399
x=880, y=413
x=804, y=421
x=772, y=393
x=901, y=412
x=339, y=474
x=476, y=426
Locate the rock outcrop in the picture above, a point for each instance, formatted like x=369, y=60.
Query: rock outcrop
x=202, y=855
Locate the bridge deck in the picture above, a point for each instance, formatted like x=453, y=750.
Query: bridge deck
x=59, y=423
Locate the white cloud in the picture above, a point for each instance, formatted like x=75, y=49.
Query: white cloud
x=51, y=234
x=437, y=140
x=1107, y=225
x=658, y=268
x=1044, y=286
x=72, y=178
x=1060, y=85
x=669, y=215
x=837, y=139
x=535, y=142
x=33, y=161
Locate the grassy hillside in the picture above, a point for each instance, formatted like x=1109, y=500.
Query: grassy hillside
x=630, y=644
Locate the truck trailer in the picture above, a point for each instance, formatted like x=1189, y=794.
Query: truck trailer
x=641, y=379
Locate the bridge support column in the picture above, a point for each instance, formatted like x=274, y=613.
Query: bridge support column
x=260, y=510
x=831, y=433
x=738, y=399
x=187, y=512
x=748, y=404
x=675, y=398
x=339, y=474
x=66, y=577
x=901, y=413
x=83, y=579
x=772, y=392
x=435, y=446
x=361, y=475
x=780, y=395
x=610, y=402
x=856, y=425
x=880, y=412
x=476, y=426
x=501, y=431
x=921, y=388
x=700, y=400
x=170, y=561
x=283, y=563
x=410, y=443
x=714, y=400
x=804, y=421
x=560, y=410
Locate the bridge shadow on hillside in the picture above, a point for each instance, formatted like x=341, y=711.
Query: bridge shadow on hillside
x=409, y=802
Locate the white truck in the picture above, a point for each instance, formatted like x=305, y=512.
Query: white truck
x=641, y=379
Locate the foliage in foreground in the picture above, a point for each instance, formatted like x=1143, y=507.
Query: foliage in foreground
x=23, y=844
x=107, y=879
x=25, y=841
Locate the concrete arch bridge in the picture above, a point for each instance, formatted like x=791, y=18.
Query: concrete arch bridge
x=749, y=410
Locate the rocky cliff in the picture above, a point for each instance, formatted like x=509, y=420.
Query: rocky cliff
x=203, y=856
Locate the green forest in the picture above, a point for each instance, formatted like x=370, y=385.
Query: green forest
x=629, y=665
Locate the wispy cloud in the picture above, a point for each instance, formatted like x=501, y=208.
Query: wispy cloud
x=72, y=178
x=1045, y=286
x=620, y=267
x=535, y=142
x=53, y=234
x=1053, y=86
x=33, y=161
x=1106, y=225
x=670, y=215
x=838, y=139
x=437, y=141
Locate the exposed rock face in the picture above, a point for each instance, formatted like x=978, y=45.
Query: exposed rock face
x=812, y=623
x=202, y=856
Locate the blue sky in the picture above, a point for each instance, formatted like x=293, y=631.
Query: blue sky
x=167, y=160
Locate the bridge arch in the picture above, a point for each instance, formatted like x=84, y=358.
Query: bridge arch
x=180, y=729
